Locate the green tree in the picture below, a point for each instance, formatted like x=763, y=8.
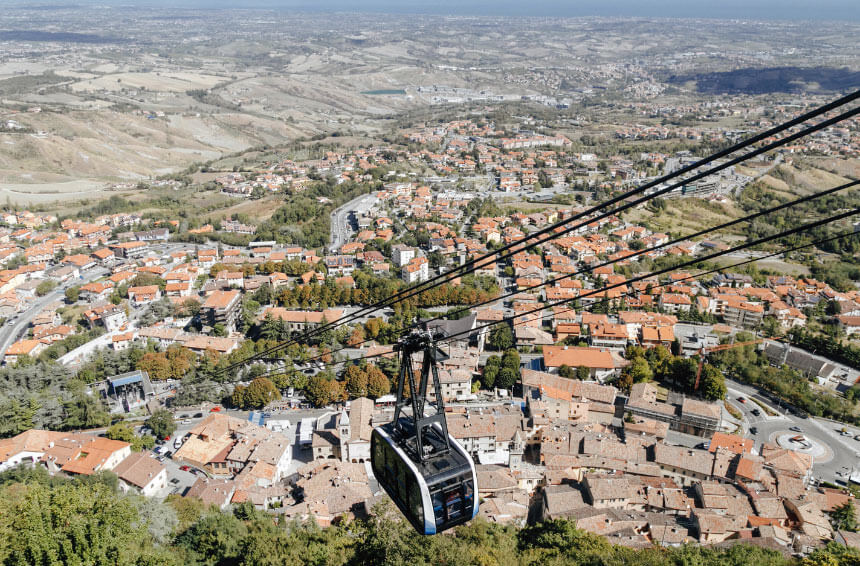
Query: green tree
x=843, y=517
x=45, y=287
x=73, y=523
x=125, y=432
x=215, y=539
x=507, y=378
x=17, y=416
x=566, y=371
x=73, y=294
x=84, y=411
x=161, y=423
x=712, y=385
x=501, y=338
x=683, y=372
x=491, y=372
x=640, y=370
x=582, y=373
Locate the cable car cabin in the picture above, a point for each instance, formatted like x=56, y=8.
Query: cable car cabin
x=434, y=495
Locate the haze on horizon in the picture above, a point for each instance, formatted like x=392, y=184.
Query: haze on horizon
x=821, y=10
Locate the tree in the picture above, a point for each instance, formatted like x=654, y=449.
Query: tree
x=356, y=381
x=84, y=411
x=712, y=385
x=639, y=370
x=219, y=330
x=501, y=337
x=377, y=382
x=582, y=373
x=73, y=294
x=566, y=371
x=491, y=372
x=683, y=372
x=45, y=287
x=843, y=517
x=161, y=424
x=319, y=391
x=507, y=378
x=73, y=523
x=123, y=431
x=257, y=395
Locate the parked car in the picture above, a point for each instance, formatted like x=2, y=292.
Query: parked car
x=753, y=430
x=742, y=400
x=215, y=409
x=185, y=468
x=756, y=412
x=198, y=416
x=795, y=429
x=857, y=437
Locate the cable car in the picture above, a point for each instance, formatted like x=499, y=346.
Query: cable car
x=424, y=470
x=434, y=495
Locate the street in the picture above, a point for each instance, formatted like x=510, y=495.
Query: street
x=16, y=328
x=840, y=453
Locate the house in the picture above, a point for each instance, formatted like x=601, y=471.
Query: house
x=31, y=348
x=142, y=473
x=402, y=254
x=112, y=317
x=85, y=454
x=212, y=491
x=345, y=436
x=97, y=290
x=144, y=294
x=599, y=362
x=674, y=302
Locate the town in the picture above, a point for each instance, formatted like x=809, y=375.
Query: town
x=641, y=333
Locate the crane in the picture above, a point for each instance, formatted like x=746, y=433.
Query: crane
x=719, y=348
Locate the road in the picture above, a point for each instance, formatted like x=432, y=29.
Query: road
x=842, y=451
x=16, y=328
x=341, y=221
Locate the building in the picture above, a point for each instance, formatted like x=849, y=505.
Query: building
x=599, y=362
x=690, y=416
x=30, y=348
x=301, y=321
x=125, y=392
x=345, y=436
x=141, y=473
x=225, y=446
x=402, y=254
x=417, y=270
x=222, y=307
x=112, y=317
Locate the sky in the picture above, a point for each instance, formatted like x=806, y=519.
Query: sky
x=836, y=10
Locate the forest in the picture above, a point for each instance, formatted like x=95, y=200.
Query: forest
x=47, y=520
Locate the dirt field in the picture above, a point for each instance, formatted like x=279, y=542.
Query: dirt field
x=163, y=82
x=43, y=193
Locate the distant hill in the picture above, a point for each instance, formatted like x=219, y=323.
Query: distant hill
x=772, y=79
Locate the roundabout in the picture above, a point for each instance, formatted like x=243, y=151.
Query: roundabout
x=804, y=444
